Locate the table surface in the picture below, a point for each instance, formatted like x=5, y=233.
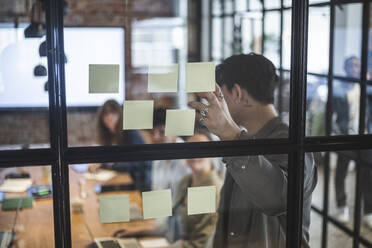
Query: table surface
x=34, y=226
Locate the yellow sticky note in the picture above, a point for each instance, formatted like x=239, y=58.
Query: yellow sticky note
x=163, y=78
x=104, y=78
x=200, y=77
x=179, y=122
x=201, y=200
x=114, y=208
x=157, y=204
x=138, y=115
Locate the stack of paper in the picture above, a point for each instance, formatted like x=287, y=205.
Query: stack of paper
x=101, y=175
x=154, y=243
x=16, y=185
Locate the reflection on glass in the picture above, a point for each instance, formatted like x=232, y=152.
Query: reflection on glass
x=369, y=109
x=272, y=4
x=23, y=84
x=157, y=41
x=345, y=107
x=317, y=1
x=255, y=5
x=286, y=39
x=317, y=199
x=241, y=5
x=342, y=190
x=318, y=40
x=229, y=6
x=228, y=36
x=347, y=36
x=315, y=229
x=337, y=238
x=251, y=33
x=282, y=101
x=217, y=7
x=316, y=99
x=287, y=3
x=217, y=38
x=366, y=197
x=272, y=36
x=27, y=203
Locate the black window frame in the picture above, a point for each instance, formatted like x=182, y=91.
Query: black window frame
x=60, y=155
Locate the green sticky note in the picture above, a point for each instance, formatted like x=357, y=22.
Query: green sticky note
x=201, y=200
x=179, y=122
x=157, y=204
x=14, y=203
x=200, y=77
x=163, y=78
x=104, y=78
x=138, y=115
x=114, y=208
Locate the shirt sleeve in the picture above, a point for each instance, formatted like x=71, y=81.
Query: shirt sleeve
x=263, y=183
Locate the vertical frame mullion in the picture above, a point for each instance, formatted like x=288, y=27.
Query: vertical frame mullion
x=58, y=123
x=297, y=122
x=210, y=24
x=280, y=93
x=362, y=120
x=328, y=126
x=223, y=28
x=263, y=27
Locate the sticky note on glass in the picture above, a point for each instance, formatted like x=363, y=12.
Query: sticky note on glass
x=104, y=78
x=163, y=78
x=179, y=122
x=114, y=208
x=201, y=200
x=200, y=77
x=138, y=115
x=157, y=204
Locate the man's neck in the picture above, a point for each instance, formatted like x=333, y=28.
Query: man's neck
x=263, y=115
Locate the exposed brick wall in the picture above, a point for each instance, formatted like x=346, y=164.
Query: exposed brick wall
x=23, y=127
x=114, y=12
x=32, y=127
x=81, y=127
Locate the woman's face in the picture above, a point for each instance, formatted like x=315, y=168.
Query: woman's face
x=111, y=120
x=199, y=164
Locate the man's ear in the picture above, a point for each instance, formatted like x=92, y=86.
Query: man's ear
x=237, y=93
x=246, y=99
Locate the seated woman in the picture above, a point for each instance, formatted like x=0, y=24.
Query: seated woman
x=180, y=229
x=110, y=132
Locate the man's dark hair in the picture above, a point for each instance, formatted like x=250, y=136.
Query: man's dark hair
x=253, y=72
x=159, y=117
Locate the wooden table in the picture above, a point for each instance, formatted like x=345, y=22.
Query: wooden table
x=34, y=226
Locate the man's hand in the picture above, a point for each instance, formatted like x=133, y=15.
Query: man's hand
x=216, y=116
x=129, y=232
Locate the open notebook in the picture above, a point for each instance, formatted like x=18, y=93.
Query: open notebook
x=130, y=243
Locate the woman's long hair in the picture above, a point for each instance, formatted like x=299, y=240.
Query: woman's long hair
x=104, y=136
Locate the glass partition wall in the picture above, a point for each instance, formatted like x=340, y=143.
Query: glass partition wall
x=277, y=29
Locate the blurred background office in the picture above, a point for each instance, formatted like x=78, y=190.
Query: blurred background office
x=138, y=34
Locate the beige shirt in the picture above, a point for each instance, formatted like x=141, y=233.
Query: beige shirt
x=184, y=230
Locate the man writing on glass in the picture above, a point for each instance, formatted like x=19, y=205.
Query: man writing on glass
x=253, y=203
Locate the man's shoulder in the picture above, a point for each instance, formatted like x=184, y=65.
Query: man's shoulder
x=280, y=130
